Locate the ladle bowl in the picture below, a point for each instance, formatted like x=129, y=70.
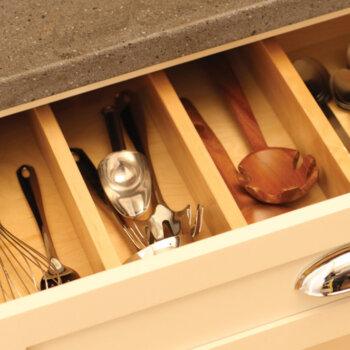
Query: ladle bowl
x=126, y=180
x=272, y=176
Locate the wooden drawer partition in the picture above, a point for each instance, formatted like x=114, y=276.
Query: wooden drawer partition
x=78, y=202
x=250, y=269
x=190, y=155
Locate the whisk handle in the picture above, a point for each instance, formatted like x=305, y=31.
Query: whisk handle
x=30, y=187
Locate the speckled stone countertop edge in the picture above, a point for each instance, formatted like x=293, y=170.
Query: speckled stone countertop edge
x=107, y=62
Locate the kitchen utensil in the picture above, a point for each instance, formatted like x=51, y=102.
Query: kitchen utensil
x=252, y=210
x=31, y=189
x=340, y=85
x=126, y=178
x=136, y=237
x=124, y=175
x=89, y=173
x=161, y=222
x=19, y=265
x=269, y=174
x=92, y=181
x=317, y=79
x=162, y=217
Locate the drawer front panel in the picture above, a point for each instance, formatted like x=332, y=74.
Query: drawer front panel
x=241, y=282
x=308, y=330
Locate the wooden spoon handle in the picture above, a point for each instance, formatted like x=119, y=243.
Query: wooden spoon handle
x=252, y=210
x=217, y=153
x=238, y=103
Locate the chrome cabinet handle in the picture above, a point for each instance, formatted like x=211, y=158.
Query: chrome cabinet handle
x=330, y=275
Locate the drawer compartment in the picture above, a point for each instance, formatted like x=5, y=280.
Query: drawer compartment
x=326, y=43
x=237, y=278
x=21, y=145
x=287, y=118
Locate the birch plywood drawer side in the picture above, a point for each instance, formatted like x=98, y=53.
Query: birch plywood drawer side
x=234, y=286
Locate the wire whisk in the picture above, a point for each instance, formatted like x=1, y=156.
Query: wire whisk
x=22, y=267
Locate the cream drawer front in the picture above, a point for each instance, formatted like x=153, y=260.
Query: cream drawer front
x=235, y=283
x=234, y=286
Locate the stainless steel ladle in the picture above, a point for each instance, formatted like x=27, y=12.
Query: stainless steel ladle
x=125, y=175
x=145, y=247
x=159, y=222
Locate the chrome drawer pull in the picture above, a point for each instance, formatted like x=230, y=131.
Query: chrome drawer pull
x=328, y=276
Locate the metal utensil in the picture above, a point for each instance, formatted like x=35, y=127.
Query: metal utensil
x=124, y=175
x=92, y=181
x=340, y=86
x=161, y=222
x=317, y=79
x=30, y=186
x=19, y=265
x=136, y=237
x=163, y=218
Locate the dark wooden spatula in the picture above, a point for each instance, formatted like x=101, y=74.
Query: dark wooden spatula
x=252, y=210
x=269, y=174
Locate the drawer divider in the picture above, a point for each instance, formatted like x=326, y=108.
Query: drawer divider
x=77, y=199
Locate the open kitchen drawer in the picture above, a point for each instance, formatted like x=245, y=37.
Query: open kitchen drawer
x=234, y=286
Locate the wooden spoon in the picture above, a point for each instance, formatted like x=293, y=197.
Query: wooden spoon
x=269, y=174
x=252, y=210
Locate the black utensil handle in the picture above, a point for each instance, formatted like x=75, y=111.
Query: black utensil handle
x=134, y=121
x=89, y=173
x=114, y=127
x=131, y=111
x=30, y=186
x=338, y=128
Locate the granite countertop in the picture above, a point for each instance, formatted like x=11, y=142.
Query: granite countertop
x=50, y=46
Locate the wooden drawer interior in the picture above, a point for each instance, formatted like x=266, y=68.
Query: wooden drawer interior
x=86, y=236
x=20, y=146
x=284, y=118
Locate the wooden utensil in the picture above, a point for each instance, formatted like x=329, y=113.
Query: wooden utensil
x=252, y=210
x=269, y=174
